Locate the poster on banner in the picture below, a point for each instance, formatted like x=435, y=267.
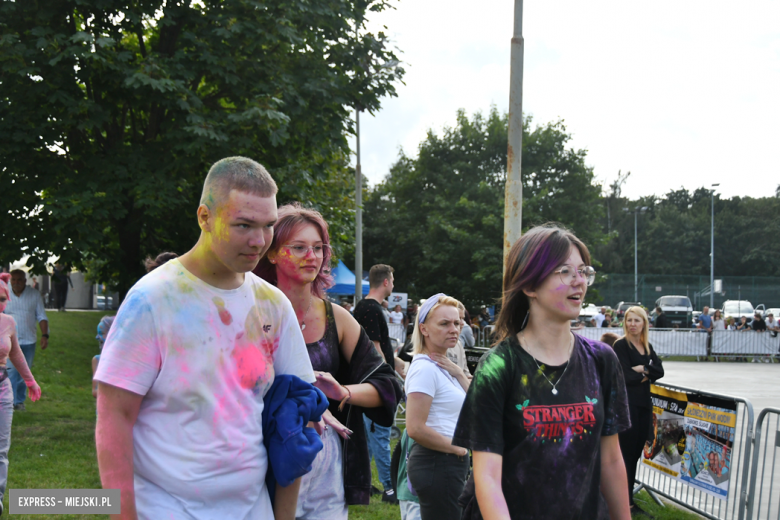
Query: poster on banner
x=398, y=298
x=693, y=438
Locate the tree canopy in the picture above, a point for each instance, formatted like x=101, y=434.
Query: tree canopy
x=111, y=113
x=438, y=218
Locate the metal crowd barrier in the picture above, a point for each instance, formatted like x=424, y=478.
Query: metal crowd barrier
x=763, y=499
x=739, y=343
x=484, y=338
x=397, y=331
x=699, y=501
x=666, y=342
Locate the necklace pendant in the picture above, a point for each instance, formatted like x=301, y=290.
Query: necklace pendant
x=303, y=326
x=554, y=391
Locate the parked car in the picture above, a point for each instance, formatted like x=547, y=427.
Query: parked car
x=774, y=310
x=622, y=307
x=678, y=310
x=738, y=308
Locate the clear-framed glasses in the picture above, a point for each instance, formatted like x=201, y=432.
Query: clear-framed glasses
x=301, y=250
x=568, y=274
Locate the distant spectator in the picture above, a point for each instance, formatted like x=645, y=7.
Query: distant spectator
x=609, y=338
x=152, y=264
x=60, y=280
x=467, y=333
x=730, y=323
x=25, y=306
x=347, y=306
x=743, y=324
x=386, y=310
x=484, y=318
x=102, y=333
x=607, y=320
x=717, y=321
x=705, y=320
x=759, y=325
x=457, y=354
x=397, y=316
x=411, y=314
x=771, y=323
x=598, y=319
x=661, y=321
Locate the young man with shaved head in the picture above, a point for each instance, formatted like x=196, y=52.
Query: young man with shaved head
x=194, y=348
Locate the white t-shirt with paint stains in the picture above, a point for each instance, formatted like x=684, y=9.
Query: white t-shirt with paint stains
x=203, y=358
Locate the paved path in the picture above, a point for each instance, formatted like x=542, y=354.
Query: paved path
x=759, y=383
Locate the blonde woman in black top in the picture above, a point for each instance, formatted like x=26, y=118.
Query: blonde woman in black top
x=641, y=367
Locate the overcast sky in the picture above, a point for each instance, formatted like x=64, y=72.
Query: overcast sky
x=679, y=93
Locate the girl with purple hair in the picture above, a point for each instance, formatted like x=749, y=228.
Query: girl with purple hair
x=348, y=368
x=545, y=406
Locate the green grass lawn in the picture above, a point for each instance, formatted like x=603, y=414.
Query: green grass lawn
x=52, y=443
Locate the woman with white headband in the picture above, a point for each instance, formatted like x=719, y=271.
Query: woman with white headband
x=435, y=390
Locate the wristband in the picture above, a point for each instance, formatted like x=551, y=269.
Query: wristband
x=346, y=399
x=45, y=336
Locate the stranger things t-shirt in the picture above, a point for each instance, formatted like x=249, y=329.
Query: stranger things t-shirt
x=550, y=443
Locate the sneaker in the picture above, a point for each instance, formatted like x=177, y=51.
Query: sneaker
x=19, y=407
x=389, y=497
x=375, y=491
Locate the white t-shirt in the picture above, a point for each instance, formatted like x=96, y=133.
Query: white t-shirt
x=718, y=325
x=771, y=324
x=599, y=319
x=396, y=317
x=203, y=358
x=426, y=377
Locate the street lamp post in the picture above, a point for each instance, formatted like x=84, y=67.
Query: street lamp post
x=358, y=214
x=392, y=64
x=636, y=211
x=712, y=248
x=513, y=191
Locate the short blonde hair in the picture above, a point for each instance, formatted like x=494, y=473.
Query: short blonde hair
x=418, y=340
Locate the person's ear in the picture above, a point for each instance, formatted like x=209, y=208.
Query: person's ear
x=423, y=330
x=205, y=218
x=531, y=294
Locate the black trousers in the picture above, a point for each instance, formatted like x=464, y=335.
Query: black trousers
x=438, y=479
x=632, y=442
x=61, y=293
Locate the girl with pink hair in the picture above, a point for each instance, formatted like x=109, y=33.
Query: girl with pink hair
x=9, y=348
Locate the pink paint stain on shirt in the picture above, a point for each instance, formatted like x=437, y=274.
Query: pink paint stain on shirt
x=224, y=314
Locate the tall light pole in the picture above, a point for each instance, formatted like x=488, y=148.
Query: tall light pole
x=358, y=214
x=712, y=248
x=513, y=191
x=636, y=211
x=359, y=195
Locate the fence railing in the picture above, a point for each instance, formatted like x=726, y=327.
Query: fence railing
x=763, y=498
x=397, y=331
x=731, y=343
x=734, y=506
x=666, y=342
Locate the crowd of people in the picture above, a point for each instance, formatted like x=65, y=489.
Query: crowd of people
x=228, y=385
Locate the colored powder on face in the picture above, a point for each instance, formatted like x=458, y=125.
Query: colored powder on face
x=224, y=314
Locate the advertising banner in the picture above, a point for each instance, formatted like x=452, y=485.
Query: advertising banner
x=692, y=439
x=398, y=298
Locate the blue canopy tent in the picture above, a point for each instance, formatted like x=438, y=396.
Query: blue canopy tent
x=345, y=281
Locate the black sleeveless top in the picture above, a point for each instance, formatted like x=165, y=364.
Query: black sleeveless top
x=324, y=353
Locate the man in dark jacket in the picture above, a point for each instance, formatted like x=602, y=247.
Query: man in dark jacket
x=661, y=321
